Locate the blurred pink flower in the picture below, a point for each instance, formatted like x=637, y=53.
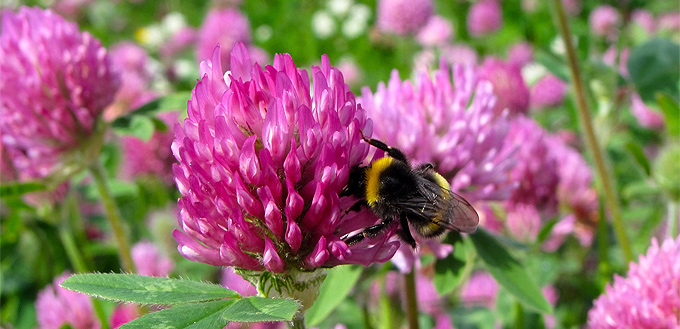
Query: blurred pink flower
x=403, y=16
x=523, y=222
x=437, y=32
x=57, y=307
x=547, y=92
x=55, y=83
x=480, y=290
x=223, y=27
x=646, y=117
x=132, y=62
x=508, y=86
x=609, y=58
x=350, y=71
x=484, y=17
x=262, y=158
x=669, y=21
x=70, y=9
x=551, y=295
x=521, y=54
x=149, y=261
x=572, y=7
x=648, y=298
x=536, y=171
x=575, y=192
x=604, y=21
x=123, y=313
x=428, y=60
x=153, y=157
x=645, y=20
x=182, y=40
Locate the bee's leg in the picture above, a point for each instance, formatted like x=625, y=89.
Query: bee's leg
x=368, y=232
x=356, y=207
x=391, y=151
x=424, y=167
x=405, y=233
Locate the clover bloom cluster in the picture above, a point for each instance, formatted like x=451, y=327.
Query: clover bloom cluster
x=508, y=85
x=536, y=169
x=604, y=21
x=55, y=83
x=484, y=17
x=150, y=261
x=57, y=307
x=224, y=27
x=262, y=157
x=152, y=157
x=547, y=92
x=575, y=191
x=648, y=298
x=134, y=64
x=403, y=16
x=448, y=123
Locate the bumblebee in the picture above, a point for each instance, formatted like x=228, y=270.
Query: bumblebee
x=419, y=197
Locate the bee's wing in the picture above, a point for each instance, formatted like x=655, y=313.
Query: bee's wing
x=436, y=207
x=462, y=216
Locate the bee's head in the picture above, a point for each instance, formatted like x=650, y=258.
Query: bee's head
x=356, y=183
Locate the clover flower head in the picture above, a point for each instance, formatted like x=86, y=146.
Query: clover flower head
x=56, y=307
x=55, y=83
x=122, y=314
x=508, y=85
x=644, y=19
x=575, y=191
x=604, y=21
x=152, y=157
x=536, y=169
x=484, y=17
x=547, y=92
x=132, y=62
x=572, y=7
x=262, y=158
x=149, y=261
x=450, y=123
x=648, y=297
x=645, y=116
x=521, y=54
x=223, y=27
x=437, y=32
x=480, y=290
x=403, y=16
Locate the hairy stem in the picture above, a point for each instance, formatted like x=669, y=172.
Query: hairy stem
x=298, y=321
x=114, y=217
x=591, y=140
x=411, y=299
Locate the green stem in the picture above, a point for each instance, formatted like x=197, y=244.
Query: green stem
x=298, y=321
x=519, y=318
x=591, y=140
x=672, y=221
x=114, y=216
x=411, y=299
x=76, y=259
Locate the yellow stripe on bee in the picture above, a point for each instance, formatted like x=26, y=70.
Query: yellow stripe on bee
x=429, y=229
x=441, y=181
x=373, y=179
